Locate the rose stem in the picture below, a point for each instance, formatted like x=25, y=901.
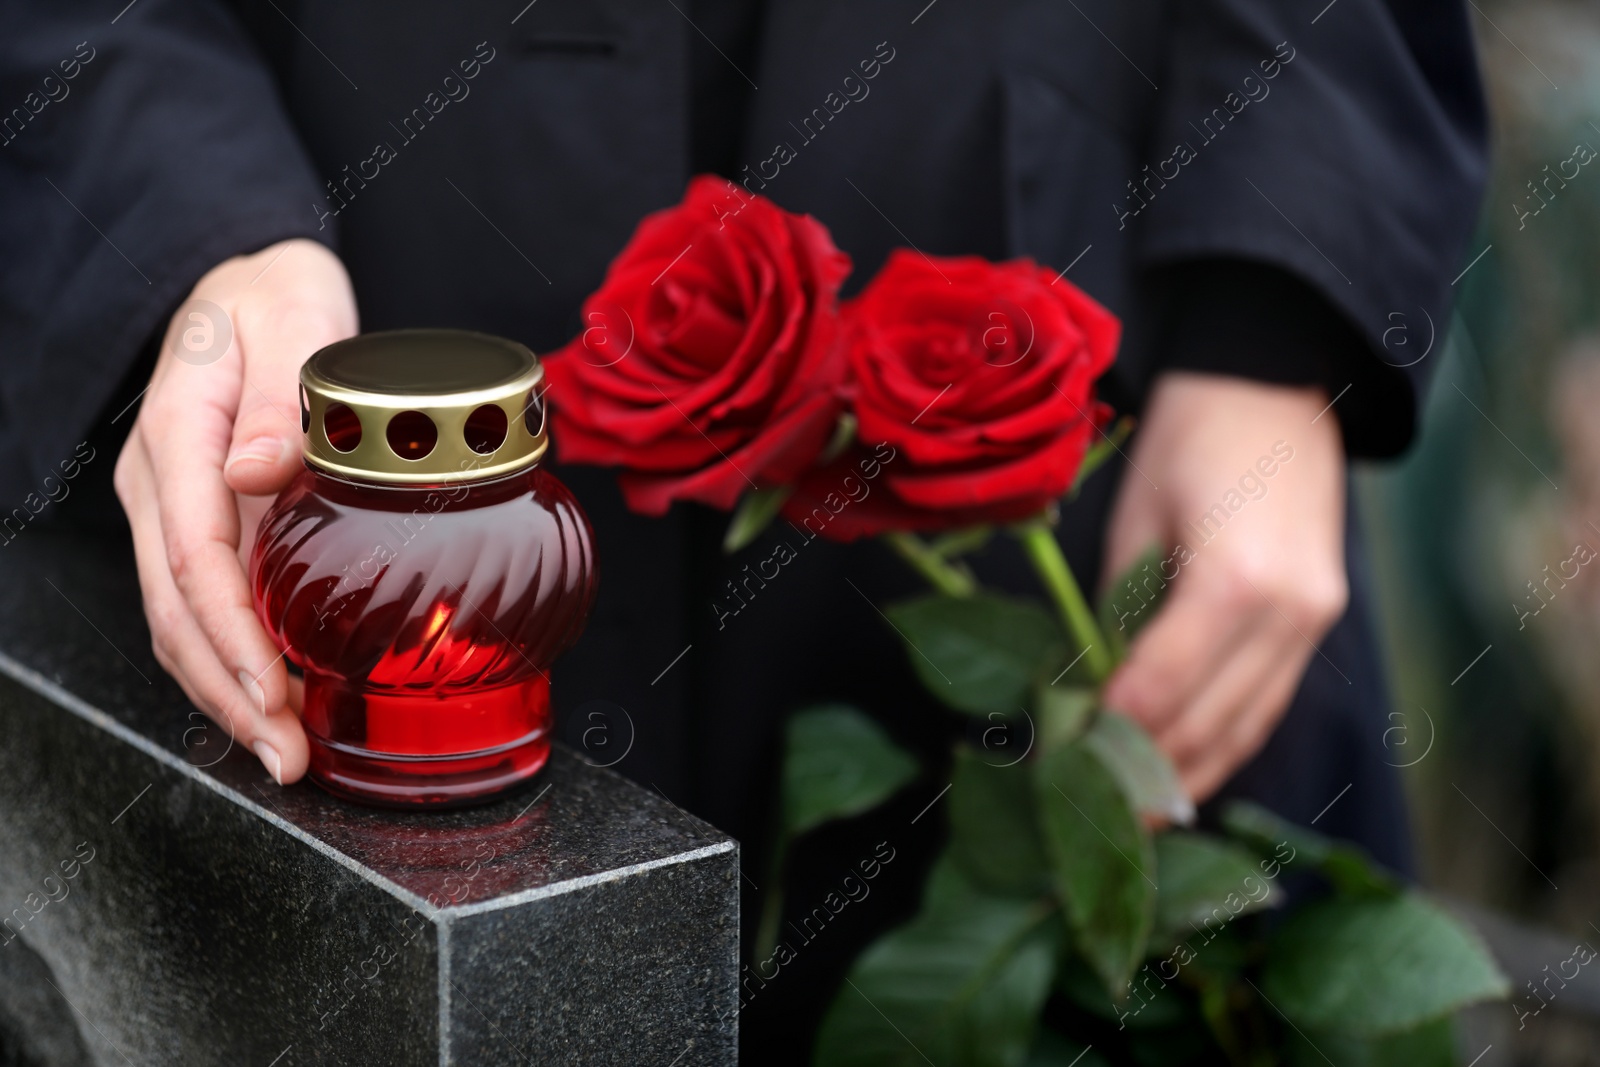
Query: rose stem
x=1045, y=554
x=949, y=579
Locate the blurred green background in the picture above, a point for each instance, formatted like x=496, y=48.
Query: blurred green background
x=1475, y=533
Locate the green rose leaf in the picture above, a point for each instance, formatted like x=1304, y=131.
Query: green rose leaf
x=1062, y=713
x=838, y=763
x=1429, y=1046
x=961, y=985
x=1132, y=600
x=756, y=509
x=1145, y=773
x=1348, y=868
x=1370, y=966
x=1153, y=1004
x=979, y=654
x=994, y=834
x=1205, y=884
x=1102, y=860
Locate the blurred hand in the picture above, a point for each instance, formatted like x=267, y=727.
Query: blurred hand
x=217, y=435
x=1212, y=673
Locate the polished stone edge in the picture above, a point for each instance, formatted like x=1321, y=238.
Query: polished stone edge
x=523, y=896
x=65, y=698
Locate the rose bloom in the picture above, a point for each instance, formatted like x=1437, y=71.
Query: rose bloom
x=973, y=386
x=709, y=364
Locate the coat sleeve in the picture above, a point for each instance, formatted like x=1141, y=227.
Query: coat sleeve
x=1345, y=147
x=137, y=152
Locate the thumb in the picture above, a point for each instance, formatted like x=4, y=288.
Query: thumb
x=264, y=455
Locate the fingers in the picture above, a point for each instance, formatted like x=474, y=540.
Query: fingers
x=1230, y=722
x=1173, y=655
x=264, y=452
x=181, y=645
x=1244, y=734
x=185, y=430
x=299, y=302
x=1179, y=651
x=1210, y=714
x=1213, y=672
x=216, y=434
x=1262, y=569
x=262, y=462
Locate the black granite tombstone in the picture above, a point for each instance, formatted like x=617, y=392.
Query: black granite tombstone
x=181, y=908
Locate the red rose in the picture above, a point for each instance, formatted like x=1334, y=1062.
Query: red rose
x=710, y=364
x=975, y=380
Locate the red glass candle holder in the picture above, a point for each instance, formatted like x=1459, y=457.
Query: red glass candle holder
x=423, y=570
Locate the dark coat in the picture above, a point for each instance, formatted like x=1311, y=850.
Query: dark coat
x=477, y=165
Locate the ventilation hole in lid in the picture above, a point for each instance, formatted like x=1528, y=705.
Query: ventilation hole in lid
x=533, y=414
x=305, y=412
x=343, y=427
x=485, y=430
x=412, y=435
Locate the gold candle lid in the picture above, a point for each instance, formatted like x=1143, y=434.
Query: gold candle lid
x=423, y=406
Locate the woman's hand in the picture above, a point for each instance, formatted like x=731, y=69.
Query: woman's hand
x=217, y=435
x=1215, y=669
